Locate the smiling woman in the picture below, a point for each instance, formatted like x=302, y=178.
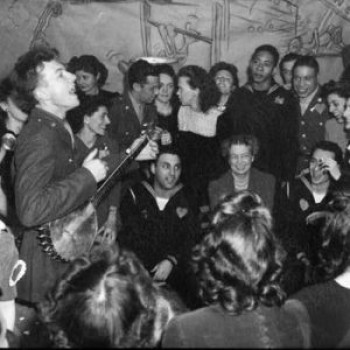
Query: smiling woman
x=92, y=122
x=241, y=151
x=91, y=76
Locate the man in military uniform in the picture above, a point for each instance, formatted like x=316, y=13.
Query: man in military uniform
x=135, y=108
x=313, y=110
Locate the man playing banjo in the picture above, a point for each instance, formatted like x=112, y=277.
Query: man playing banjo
x=49, y=181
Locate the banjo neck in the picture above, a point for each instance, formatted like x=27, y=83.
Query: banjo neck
x=131, y=153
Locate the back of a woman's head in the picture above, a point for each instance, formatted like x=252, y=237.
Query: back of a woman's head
x=334, y=255
x=238, y=264
x=110, y=302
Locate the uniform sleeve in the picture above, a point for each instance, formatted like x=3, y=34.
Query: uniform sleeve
x=40, y=199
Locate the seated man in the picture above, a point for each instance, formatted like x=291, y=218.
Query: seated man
x=159, y=222
x=241, y=152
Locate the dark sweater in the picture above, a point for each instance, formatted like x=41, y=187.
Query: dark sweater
x=328, y=305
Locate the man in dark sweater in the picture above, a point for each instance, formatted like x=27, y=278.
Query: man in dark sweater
x=269, y=112
x=159, y=222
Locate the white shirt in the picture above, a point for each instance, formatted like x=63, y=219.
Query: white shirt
x=198, y=122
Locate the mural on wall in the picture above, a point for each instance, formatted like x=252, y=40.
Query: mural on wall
x=180, y=31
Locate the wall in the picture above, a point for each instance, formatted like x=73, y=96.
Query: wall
x=184, y=31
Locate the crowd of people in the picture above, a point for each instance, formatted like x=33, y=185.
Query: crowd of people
x=185, y=211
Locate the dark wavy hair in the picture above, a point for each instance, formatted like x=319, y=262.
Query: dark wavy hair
x=209, y=94
x=334, y=252
x=8, y=91
x=26, y=72
x=330, y=147
x=167, y=69
x=342, y=89
x=239, y=262
x=231, y=68
x=89, y=107
x=108, y=302
x=90, y=64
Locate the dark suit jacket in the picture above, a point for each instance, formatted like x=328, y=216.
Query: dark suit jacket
x=261, y=183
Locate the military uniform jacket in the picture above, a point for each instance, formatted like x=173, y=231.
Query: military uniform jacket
x=125, y=126
x=311, y=128
x=49, y=184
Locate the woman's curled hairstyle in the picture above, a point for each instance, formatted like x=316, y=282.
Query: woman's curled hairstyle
x=108, y=302
x=238, y=263
x=334, y=254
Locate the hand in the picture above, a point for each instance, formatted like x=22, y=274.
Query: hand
x=110, y=229
x=103, y=153
x=162, y=270
x=332, y=167
x=149, y=152
x=165, y=138
x=97, y=167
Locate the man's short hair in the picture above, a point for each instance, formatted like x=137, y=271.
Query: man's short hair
x=291, y=56
x=168, y=149
x=307, y=61
x=138, y=73
x=270, y=49
x=330, y=147
x=25, y=75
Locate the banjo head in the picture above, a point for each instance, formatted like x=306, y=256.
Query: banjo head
x=73, y=236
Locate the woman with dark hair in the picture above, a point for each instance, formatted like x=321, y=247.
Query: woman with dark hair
x=328, y=302
x=238, y=266
x=166, y=101
x=13, y=115
x=91, y=76
x=92, y=122
x=226, y=78
x=197, y=117
x=106, y=303
x=336, y=94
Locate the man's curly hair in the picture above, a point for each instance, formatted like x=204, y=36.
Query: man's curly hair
x=107, y=302
x=238, y=263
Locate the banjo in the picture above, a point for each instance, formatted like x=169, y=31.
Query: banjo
x=73, y=235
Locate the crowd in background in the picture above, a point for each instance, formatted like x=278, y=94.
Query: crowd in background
x=215, y=214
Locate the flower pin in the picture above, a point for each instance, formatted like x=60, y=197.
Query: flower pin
x=279, y=100
x=181, y=212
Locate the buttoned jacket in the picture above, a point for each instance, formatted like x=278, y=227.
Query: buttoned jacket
x=49, y=181
x=125, y=126
x=311, y=128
